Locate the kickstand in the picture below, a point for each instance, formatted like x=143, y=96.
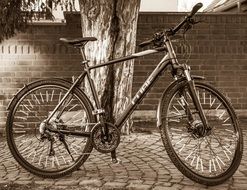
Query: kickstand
x=114, y=157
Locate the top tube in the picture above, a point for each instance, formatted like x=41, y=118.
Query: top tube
x=129, y=57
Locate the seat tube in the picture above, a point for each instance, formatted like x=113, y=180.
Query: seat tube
x=93, y=90
x=90, y=80
x=83, y=53
x=99, y=111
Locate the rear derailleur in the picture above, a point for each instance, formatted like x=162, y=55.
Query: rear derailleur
x=51, y=136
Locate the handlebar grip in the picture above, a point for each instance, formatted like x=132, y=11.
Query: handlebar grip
x=195, y=9
x=145, y=43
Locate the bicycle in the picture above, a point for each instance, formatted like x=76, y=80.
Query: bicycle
x=52, y=126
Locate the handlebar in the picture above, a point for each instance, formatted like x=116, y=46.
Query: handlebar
x=171, y=32
x=195, y=9
x=145, y=43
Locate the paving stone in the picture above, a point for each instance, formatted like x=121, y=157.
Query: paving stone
x=166, y=188
x=145, y=165
x=239, y=185
x=123, y=179
x=138, y=187
x=60, y=187
x=91, y=182
x=135, y=181
x=187, y=181
x=238, y=188
x=176, y=186
x=149, y=182
x=114, y=185
x=189, y=187
x=3, y=182
x=23, y=182
x=164, y=184
x=23, y=178
x=108, y=178
x=244, y=172
x=44, y=182
x=67, y=182
x=12, y=176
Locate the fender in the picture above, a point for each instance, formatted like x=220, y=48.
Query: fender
x=26, y=88
x=172, y=85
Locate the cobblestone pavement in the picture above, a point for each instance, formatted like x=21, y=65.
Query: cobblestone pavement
x=144, y=165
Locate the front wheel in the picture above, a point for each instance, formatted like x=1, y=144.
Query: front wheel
x=49, y=154
x=207, y=159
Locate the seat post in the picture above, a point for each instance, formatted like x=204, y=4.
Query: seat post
x=83, y=53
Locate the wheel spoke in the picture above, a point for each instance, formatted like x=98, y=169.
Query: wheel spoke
x=48, y=152
x=208, y=156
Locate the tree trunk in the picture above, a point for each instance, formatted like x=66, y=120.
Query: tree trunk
x=113, y=23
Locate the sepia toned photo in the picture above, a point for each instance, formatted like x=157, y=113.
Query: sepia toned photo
x=123, y=94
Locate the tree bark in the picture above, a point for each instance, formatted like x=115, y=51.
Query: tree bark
x=113, y=23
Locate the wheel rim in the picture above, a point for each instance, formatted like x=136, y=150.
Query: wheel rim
x=30, y=111
x=210, y=156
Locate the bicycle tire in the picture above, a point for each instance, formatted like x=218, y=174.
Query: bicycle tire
x=46, y=92
x=194, y=168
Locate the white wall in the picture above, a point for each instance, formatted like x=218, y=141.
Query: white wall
x=186, y=5
x=171, y=5
x=159, y=5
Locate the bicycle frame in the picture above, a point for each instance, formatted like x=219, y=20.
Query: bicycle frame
x=143, y=89
x=168, y=59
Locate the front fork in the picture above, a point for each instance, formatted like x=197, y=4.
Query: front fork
x=196, y=100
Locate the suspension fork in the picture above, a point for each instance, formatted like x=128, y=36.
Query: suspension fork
x=195, y=99
x=184, y=102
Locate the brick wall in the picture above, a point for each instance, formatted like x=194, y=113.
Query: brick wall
x=36, y=54
x=219, y=52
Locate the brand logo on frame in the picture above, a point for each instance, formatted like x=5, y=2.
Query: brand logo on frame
x=142, y=90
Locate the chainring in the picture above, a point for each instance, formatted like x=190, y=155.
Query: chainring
x=102, y=142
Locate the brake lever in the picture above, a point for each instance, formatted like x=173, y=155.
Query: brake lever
x=193, y=21
x=158, y=36
x=196, y=22
x=187, y=26
x=158, y=39
x=170, y=32
x=190, y=22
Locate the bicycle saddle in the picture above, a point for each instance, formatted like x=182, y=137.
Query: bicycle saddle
x=78, y=41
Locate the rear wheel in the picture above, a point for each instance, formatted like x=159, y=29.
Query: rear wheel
x=208, y=159
x=49, y=154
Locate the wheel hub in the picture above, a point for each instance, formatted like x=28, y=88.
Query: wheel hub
x=197, y=129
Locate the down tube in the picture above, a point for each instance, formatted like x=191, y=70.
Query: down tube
x=142, y=91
